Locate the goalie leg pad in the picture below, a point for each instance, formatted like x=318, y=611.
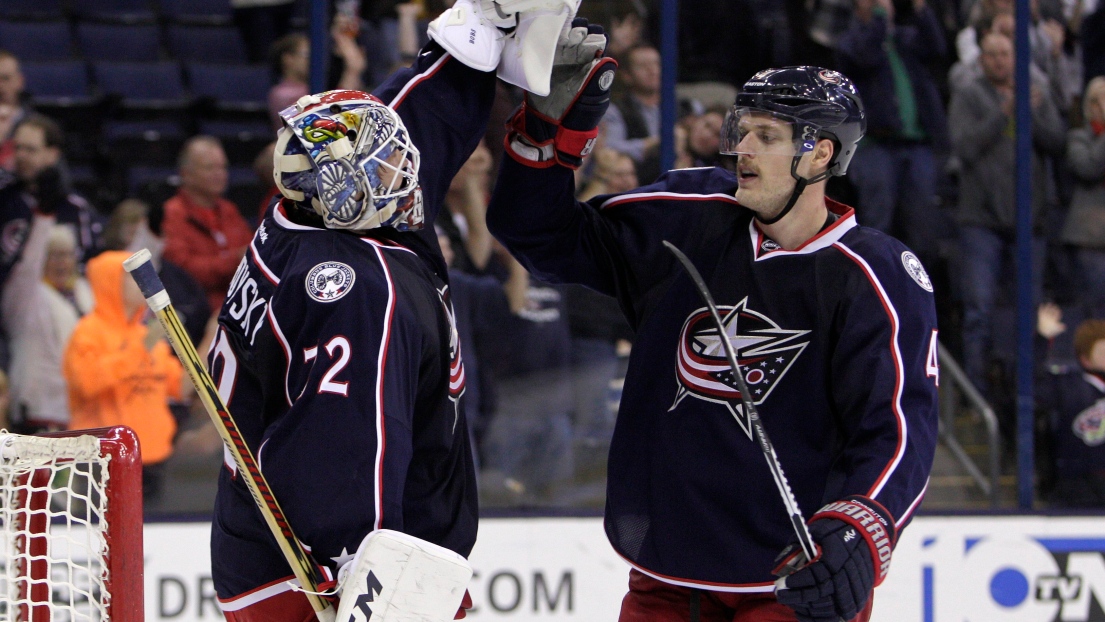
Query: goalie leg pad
x=469, y=36
x=396, y=577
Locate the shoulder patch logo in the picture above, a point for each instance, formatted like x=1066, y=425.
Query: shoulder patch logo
x=1089, y=425
x=329, y=281
x=916, y=270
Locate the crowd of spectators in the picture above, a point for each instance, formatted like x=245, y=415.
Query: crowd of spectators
x=544, y=361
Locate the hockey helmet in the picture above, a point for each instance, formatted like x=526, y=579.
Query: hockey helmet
x=816, y=102
x=348, y=157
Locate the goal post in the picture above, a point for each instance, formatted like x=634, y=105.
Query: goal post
x=71, y=526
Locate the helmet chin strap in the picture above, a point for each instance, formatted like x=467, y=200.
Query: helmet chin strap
x=800, y=184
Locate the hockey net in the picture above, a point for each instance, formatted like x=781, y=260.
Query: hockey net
x=71, y=526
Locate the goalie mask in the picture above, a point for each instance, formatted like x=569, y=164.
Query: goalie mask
x=347, y=156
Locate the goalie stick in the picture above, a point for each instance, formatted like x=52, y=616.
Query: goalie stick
x=306, y=571
x=805, y=540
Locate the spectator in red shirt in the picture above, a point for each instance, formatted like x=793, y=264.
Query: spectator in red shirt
x=204, y=233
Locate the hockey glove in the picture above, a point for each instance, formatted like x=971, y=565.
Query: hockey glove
x=855, y=537
x=475, y=31
x=561, y=128
x=466, y=33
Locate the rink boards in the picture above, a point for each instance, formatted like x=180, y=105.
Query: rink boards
x=945, y=569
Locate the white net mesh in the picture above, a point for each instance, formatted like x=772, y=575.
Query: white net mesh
x=53, y=523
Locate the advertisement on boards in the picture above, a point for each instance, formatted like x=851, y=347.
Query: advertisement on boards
x=944, y=569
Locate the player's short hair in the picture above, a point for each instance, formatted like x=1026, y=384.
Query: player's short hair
x=628, y=54
x=285, y=45
x=6, y=54
x=1088, y=333
x=1094, y=85
x=127, y=212
x=51, y=131
x=62, y=238
x=189, y=145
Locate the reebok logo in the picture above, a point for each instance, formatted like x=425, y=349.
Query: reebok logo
x=848, y=537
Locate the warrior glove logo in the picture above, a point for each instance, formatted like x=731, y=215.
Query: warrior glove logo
x=764, y=350
x=329, y=281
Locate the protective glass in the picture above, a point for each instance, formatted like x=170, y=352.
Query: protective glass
x=362, y=154
x=749, y=131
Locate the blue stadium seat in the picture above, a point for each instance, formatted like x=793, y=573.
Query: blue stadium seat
x=37, y=41
x=150, y=142
x=139, y=176
x=301, y=16
x=207, y=44
x=231, y=87
x=209, y=12
x=120, y=11
x=119, y=42
x=57, y=83
x=32, y=9
x=242, y=138
x=156, y=85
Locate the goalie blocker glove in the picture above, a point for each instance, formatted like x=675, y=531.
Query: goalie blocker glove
x=561, y=128
x=855, y=537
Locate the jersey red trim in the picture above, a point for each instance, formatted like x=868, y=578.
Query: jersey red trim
x=381, y=366
x=766, y=586
x=416, y=80
x=899, y=368
x=666, y=196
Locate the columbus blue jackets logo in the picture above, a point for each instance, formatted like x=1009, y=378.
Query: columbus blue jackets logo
x=764, y=350
x=329, y=281
x=916, y=270
x=1089, y=425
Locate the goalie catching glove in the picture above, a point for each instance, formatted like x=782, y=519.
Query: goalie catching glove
x=855, y=537
x=561, y=128
x=515, y=37
x=396, y=577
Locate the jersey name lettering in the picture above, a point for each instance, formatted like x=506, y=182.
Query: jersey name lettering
x=248, y=306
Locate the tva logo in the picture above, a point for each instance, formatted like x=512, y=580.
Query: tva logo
x=1018, y=579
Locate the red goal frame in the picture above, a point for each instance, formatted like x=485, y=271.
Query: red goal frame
x=122, y=560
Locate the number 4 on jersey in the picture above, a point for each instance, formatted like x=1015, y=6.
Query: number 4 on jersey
x=932, y=361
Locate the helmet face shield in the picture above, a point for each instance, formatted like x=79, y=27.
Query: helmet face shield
x=350, y=156
x=750, y=131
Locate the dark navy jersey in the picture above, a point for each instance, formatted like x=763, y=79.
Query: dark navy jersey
x=1076, y=401
x=15, y=222
x=338, y=356
x=837, y=340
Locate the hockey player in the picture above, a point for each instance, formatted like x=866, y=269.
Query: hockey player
x=337, y=351
x=834, y=325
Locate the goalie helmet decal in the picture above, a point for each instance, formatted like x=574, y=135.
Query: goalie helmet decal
x=348, y=157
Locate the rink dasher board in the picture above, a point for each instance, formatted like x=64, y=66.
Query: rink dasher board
x=945, y=569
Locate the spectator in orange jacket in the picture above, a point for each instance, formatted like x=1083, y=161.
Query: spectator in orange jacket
x=205, y=233
x=120, y=371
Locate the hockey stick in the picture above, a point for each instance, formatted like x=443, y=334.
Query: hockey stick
x=805, y=540
x=306, y=571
